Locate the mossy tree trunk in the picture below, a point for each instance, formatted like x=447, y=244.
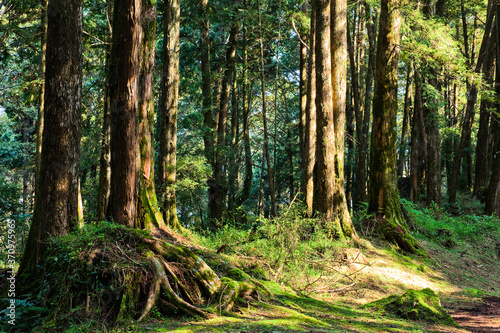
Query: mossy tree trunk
x=148, y=212
x=383, y=199
x=56, y=205
x=168, y=112
x=339, y=88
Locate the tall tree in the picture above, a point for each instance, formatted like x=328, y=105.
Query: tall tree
x=105, y=159
x=383, y=199
x=331, y=67
x=310, y=121
x=148, y=216
x=56, y=208
x=270, y=173
x=168, y=112
x=123, y=91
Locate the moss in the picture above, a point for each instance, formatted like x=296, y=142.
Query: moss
x=421, y=305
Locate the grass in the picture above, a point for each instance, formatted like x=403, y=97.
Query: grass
x=319, y=285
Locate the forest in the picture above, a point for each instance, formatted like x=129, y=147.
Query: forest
x=253, y=166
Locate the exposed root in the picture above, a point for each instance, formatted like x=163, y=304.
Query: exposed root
x=160, y=275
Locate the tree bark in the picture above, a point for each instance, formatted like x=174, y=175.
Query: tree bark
x=56, y=208
x=270, y=172
x=246, y=91
x=105, y=158
x=363, y=135
x=310, y=121
x=148, y=213
x=406, y=119
x=383, y=199
x=217, y=204
x=168, y=114
x=123, y=92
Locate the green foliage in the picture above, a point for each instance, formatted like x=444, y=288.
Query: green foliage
x=431, y=221
x=295, y=250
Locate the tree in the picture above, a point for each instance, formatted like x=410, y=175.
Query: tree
x=168, y=112
x=56, y=208
x=331, y=67
x=123, y=91
x=383, y=198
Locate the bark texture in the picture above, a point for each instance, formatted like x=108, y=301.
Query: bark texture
x=124, y=71
x=168, y=113
x=383, y=199
x=56, y=207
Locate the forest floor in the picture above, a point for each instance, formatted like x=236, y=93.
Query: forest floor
x=462, y=267
x=319, y=285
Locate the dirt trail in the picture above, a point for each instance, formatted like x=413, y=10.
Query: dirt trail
x=483, y=317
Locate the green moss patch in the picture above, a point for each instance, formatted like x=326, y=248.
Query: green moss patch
x=414, y=304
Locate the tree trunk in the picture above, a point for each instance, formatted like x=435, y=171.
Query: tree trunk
x=433, y=159
x=270, y=173
x=218, y=203
x=148, y=213
x=303, y=101
x=123, y=93
x=339, y=87
x=331, y=57
x=56, y=207
x=363, y=135
x=168, y=113
x=105, y=159
x=491, y=196
x=310, y=122
x=482, y=153
x=406, y=118
x=246, y=92
x=383, y=198
x=418, y=143
x=43, y=50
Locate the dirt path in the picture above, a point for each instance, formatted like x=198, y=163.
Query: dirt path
x=483, y=317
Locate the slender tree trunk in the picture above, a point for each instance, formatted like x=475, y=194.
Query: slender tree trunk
x=491, y=196
x=43, y=42
x=233, y=163
x=363, y=135
x=418, y=143
x=218, y=205
x=383, y=197
x=105, y=159
x=148, y=213
x=433, y=158
x=246, y=91
x=270, y=173
x=406, y=119
x=482, y=153
x=303, y=102
x=168, y=114
x=56, y=208
x=310, y=121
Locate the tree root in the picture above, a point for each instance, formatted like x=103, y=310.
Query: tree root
x=162, y=281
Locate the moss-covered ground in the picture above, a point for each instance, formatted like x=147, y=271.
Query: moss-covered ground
x=308, y=283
